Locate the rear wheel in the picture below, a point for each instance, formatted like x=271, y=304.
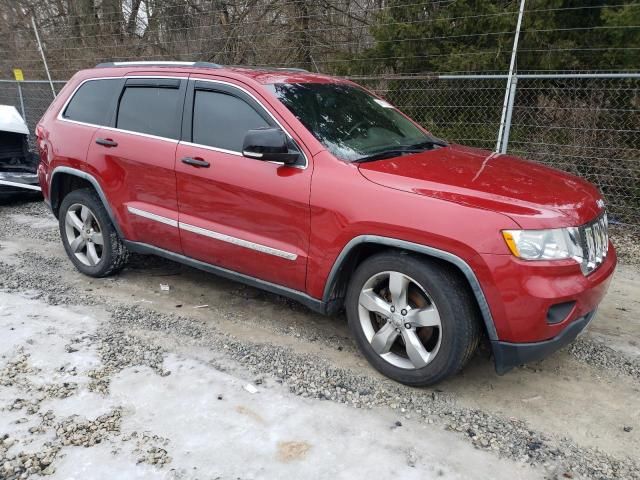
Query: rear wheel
x=88, y=236
x=414, y=320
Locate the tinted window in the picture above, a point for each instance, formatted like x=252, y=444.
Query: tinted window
x=94, y=102
x=152, y=110
x=221, y=120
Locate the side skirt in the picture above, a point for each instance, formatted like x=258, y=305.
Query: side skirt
x=301, y=297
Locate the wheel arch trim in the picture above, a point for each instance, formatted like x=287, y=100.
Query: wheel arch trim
x=462, y=265
x=96, y=185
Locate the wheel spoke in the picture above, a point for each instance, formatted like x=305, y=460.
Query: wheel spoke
x=383, y=339
x=84, y=215
x=424, y=317
x=77, y=244
x=92, y=255
x=96, y=237
x=415, y=349
x=72, y=220
x=374, y=303
x=398, y=285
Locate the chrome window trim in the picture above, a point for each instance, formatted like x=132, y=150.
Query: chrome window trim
x=209, y=147
x=152, y=216
x=111, y=129
x=238, y=241
x=61, y=118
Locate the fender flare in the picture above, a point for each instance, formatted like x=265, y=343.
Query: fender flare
x=92, y=180
x=464, y=267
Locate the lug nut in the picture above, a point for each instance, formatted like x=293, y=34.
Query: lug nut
x=393, y=309
x=403, y=312
x=407, y=325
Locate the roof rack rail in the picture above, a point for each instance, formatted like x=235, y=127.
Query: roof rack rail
x=257, y=67
x=158, y=64
x=293, y=69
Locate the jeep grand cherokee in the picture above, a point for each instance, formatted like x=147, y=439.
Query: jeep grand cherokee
x=312, y=187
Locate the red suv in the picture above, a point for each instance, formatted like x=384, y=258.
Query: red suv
x=312, y=187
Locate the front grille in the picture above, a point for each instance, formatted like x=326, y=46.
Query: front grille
x=594, y=241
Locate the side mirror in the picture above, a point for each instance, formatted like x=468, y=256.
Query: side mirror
x=269, y=145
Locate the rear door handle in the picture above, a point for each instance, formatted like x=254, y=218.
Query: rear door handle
x=196, y=162
x=106, y=142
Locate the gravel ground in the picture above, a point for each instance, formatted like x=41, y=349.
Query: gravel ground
x=130, y=335
x=627, y=243
x=599, y=355
x=305, y=375
x=310, y=376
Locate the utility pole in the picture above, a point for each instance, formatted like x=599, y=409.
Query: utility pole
x=44, y=60
x=507, y=105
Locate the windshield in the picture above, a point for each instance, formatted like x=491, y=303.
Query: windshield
x=351, y=123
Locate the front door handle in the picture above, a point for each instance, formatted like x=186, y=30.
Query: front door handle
x=106, y=142
x=196, y=162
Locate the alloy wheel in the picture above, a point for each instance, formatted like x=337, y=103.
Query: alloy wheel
x=84, y=234
x=400, y=320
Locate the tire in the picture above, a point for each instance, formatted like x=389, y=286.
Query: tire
x=439, y=311
x=99, y=251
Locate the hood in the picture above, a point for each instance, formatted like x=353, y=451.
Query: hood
x=11, y=121
x=531, y=194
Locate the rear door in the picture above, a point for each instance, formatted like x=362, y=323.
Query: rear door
x=89, y=107
x=135, y=157
x=246, y=215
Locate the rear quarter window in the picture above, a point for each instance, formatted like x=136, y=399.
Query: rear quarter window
x=94, y=102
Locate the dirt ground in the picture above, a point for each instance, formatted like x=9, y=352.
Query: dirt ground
x=166, y=378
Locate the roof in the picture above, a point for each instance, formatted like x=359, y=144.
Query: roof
x=11, y=121
x=261, y=74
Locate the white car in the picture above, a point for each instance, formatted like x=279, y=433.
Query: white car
x=18, y=166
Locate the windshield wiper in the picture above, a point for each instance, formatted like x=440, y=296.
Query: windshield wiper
x=403, y=150
x=396, y=152
x=430, y=143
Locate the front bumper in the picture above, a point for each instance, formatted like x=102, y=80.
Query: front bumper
x=509, y=355
x=523, y=295
x=539, y=307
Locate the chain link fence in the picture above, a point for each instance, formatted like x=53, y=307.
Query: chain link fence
x=588, y=126
x=36, y=97
x=583, y=125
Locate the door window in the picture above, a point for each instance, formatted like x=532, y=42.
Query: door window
x=155, y=110
x=221, y=120
x=94, y=102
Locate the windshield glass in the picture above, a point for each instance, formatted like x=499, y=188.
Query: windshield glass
x=352, y=124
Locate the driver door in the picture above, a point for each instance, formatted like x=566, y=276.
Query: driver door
x=246, y=215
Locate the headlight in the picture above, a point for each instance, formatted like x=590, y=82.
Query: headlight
x=553, y=244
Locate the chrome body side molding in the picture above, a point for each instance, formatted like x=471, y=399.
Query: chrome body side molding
x=152, y=216
x=237, y=241
x=213, y=234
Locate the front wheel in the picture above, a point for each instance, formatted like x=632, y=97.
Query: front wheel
x=414, y=320
x=88, y=236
